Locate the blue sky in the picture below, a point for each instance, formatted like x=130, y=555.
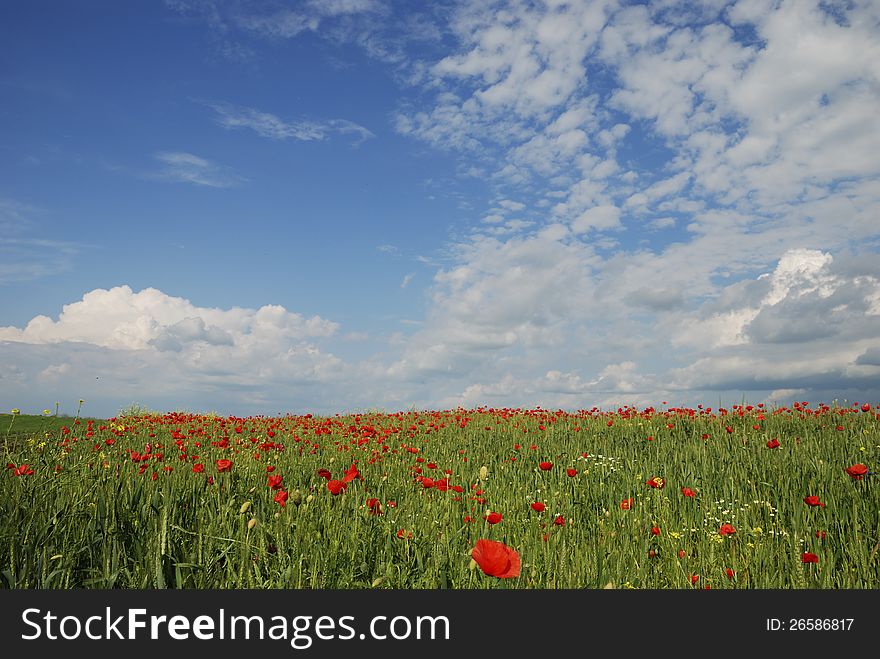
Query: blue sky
x=333, y=206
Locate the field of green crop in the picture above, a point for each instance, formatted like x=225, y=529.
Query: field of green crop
x=747, y=497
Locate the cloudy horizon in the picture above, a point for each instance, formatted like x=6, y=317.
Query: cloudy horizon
x=338, y=206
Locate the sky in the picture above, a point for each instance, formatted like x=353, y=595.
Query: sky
x=346, y=205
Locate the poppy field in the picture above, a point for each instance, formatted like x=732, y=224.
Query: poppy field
x=673, y=498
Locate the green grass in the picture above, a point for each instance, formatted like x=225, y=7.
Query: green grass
x=88, y=518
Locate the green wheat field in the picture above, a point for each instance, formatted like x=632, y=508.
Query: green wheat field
x=673, y=498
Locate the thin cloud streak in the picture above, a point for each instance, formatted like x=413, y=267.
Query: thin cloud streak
x=273, y=127
x=183, y=167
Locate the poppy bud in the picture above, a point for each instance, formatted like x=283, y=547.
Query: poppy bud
x=296, y=497
x=310, y=498
x=484, y=472
x=252, y=522
x=246, y=506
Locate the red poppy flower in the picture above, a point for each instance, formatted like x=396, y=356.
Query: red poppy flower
x=813, y=501
x=351, y=474
x=694, y=579
x=427, y=483
x=546, y=466
x=807, y=557
x=655, y=530
x=538, y=507
x=224, y=465
x=336, y=487
x=858, y=471
x=688, y=492
x=773, y=443
x=374, y=507
x=682, y=553
x=198, y=468
x=391, y=504
x=726, y=529
x=572, y=473
x=496, y=559
x=559, y=521
x=493, y=518
x=730, y=573
x=656, y=482
x=281, y=497
x=820, y=535
x=403, y=534
x=275, y=482
x=324, y=473
x=626, y=504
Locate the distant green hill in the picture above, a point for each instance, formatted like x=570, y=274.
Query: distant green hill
x=25, y=426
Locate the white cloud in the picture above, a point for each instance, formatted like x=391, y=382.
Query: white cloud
x=802, y=299
x=598, y=217
x=118, y=344
x=183, y=167
x=289, y=23
x=510, y=205
x=809, y=324
x=54, y=371
x=150, y=319
x=269, y=125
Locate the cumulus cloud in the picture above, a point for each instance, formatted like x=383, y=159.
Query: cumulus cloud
x=119, y=342
x=805, y=298
x=120, y=318
x=808, y=324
